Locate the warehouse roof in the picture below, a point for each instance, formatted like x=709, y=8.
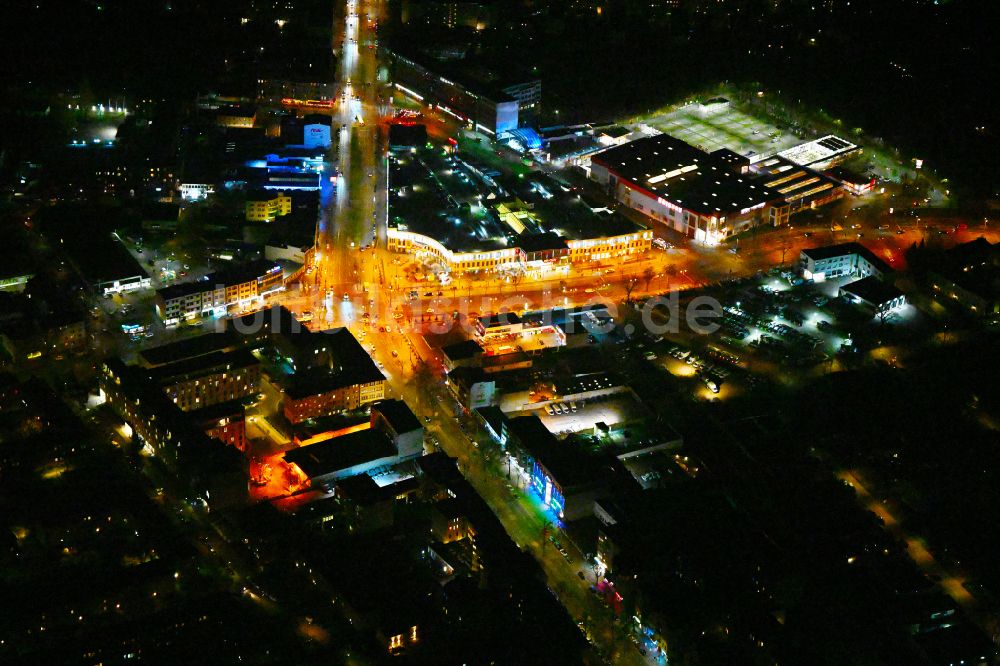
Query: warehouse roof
x=688, y=177
x=340, y=453
x=101, y=257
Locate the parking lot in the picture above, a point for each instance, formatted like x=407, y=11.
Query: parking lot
x=776, y=328
x=611, y=410
x=729, y=128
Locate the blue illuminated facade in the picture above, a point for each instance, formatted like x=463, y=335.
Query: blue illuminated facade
x=548, y=491
x=293, y=172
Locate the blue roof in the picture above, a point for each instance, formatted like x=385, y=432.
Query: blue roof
x=525, y=136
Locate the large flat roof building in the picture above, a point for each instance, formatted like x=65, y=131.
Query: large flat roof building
x=705, y=197
x=104, y=262
x=344, y=456
x=490, y=103
x=510, y=237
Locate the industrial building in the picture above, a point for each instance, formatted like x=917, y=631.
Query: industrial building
x=800, y=186
x=236, y=115
x=873, y=293
x=833, y=261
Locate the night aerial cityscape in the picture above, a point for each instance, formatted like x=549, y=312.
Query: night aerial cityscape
x=504, y=332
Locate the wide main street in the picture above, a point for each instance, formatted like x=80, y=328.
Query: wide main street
x=351, y=261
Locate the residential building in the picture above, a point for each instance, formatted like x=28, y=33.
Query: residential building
x=237, y=115
x=316, y=392
x=467, y=353
x=219, y=292
x=397, y=420
x=473, y=387
x=449, y=521
x=276, y=90
x=470, y=14
x=216, y=471
x=969, y=275
x=267, y=206
x=211, y=379
x=335, y=376
x=225, y=421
